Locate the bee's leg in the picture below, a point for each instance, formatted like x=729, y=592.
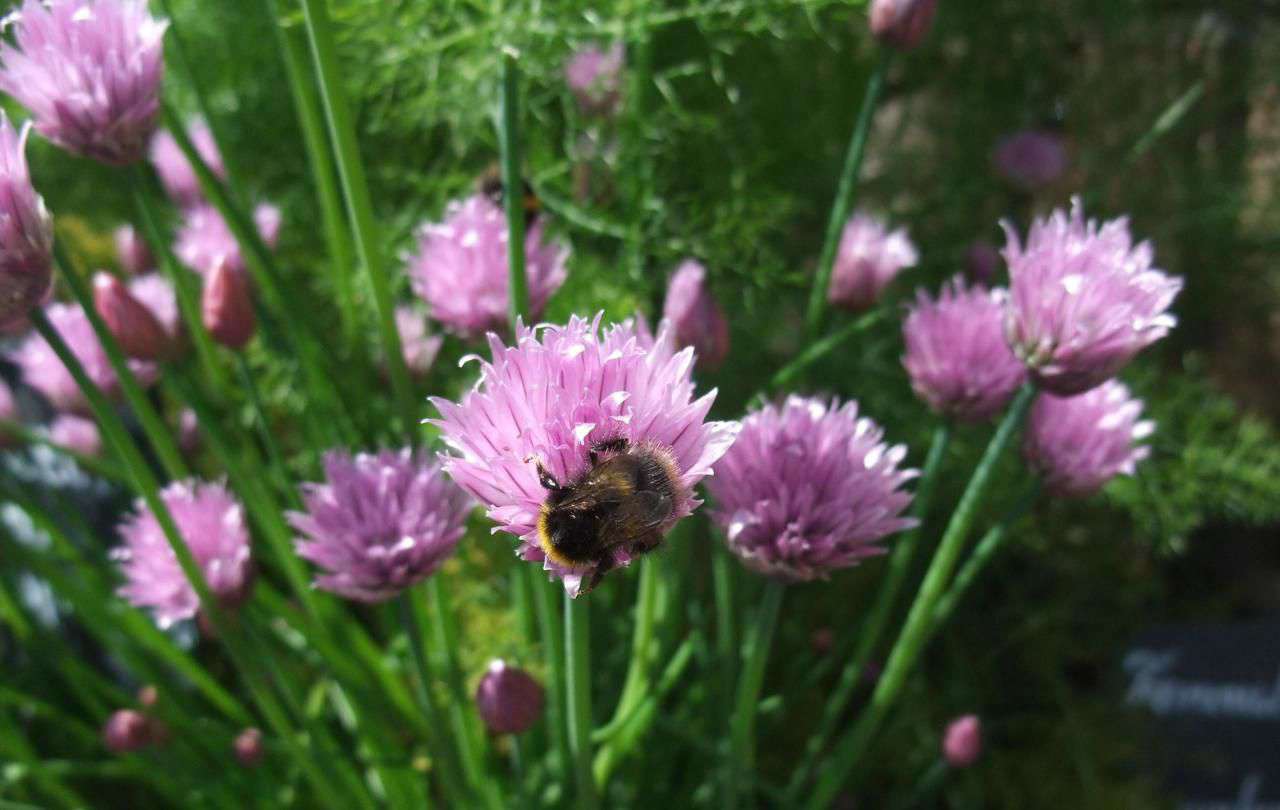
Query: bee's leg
x=603, y=566
x=545, y=477
x=615, y=445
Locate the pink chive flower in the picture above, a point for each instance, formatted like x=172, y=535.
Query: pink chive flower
x=176, y=174
x=126, y=730
x=43, y=371
x=134, y=326
x=556, y=394
x=226, y=306
x=213, y=525
x=420, y=349
x=901, y=23
x=205, y=240
x=957, y=358
x=1077, y=444
x=695, y=316
x=869, y=257
x=809, y=487
x=248, y=748
x=156, y=293
x=1084, y=299
x=962, y=742
x=76, y=433
x=595, y=78
x=89, y=71
x=380, y=523
x=982, y=262
x=1030, y=159
x=509, y=700
x=460, y=268
x=26, y=232
x=132, y=252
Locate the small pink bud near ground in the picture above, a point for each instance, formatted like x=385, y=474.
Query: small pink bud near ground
x=227, y=306
x=509, y=699
x=248, y=747
x=148, y=696
x=134, y=327
x=901, y=24
x=126, y=730
x=962, y=741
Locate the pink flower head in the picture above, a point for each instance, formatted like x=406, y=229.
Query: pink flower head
x=156, y=293
x=89, y=71
x=1084, y=299
x=205, y=240
x=554, y=397
x=126, y=730
x=132, y=251
x=26, y=232
x=808, y=488
x=248, y=748
x=1030, y=159
x=1079, y=443
x=460, y=268
x=869, y=257
x=956, y=356
x=901, y=23
x=176, y=174
x=420, y=349
x=595, y=78
x=509, y=699
x=962, y=742
x=212, y=524
x=379, y=523
x=43, y=371
x=76, y=433
x=695, y=316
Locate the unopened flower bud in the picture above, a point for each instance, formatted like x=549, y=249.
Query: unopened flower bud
x=134, y=327
x=509, y=699
x=148, y=696
x=248, y=747
x=695, y=316
x=26, y=232
x=901, y=23
x=77, y=433
x=227, y=306
x=126, y=730
x=132, y=251
x=962, y=742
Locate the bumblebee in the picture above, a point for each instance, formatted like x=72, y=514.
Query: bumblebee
x=621, y=503
x=490, y=185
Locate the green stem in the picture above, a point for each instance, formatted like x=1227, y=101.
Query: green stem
x=275, y=459
x=512, y=188
x=355, y=185
x=877, y=621
x=722, y=577
x=755, y=655
x=638, y=671
x=578, y=690
x=844, y=195
x=158, y=433
x=314, y=137
x=544, y=603
x=517, y=773
x=919, y=624
x=982, y=554
x=816, y=351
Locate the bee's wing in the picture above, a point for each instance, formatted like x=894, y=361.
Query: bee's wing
x=636, y=516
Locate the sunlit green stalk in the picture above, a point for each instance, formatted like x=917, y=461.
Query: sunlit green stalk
x=577, y=633
x=549, y=632
x=919, y=624
x=512, y=185
x=355, y=185
x=877, y=621
x=845, y=194
x=755, y=656
x=722, y=580
x=636, y=684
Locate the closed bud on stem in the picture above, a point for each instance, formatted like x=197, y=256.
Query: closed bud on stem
x=509, y=699
x=227, y=307
x=248, y=747
x=962, y=741
x=126, y=730
x=134, y=327
x=132, y=251
x=901, y=23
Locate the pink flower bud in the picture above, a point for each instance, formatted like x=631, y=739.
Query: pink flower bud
x=26, y=232
x=135, y=328
x=132, y=251
x=227, y=307
x=188, y=431
x=695, y=316
x=248, y=747
x=148, y=696
x=901, y=23
x=962, y=742
x=126, y=730
x=509, y=699
x=77, y=433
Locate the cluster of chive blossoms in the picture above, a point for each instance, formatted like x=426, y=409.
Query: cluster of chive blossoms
x=379, y=523
x=809, y=487
x=89, y=71
x=26, y=232
x=460, y=267
x=212, y=524
x=554, y=394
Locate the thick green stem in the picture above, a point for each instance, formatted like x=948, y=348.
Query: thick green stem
x=722, y=577
x=820, y=349
x=158, y=433
x=844, y=196
x=577, y=682
x=355, y=185
x=544, y=603
x=755, y=656
x=919, y=624
x=904, y=551
x=636, y=684
x=512, y=188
